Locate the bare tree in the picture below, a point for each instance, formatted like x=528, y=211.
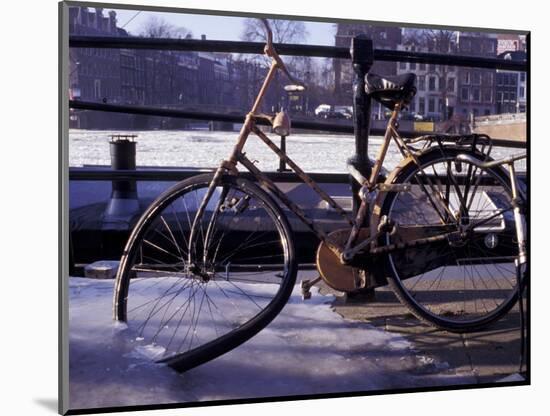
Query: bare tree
x=156, y=27
x=284, y=31
x=164, y=62
x=441, y=41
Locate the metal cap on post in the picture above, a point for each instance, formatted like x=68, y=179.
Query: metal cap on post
x=124, y=203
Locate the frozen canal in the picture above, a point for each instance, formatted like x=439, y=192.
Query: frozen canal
x=204, y=149
x=307, y=349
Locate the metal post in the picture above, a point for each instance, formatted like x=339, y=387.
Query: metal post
x=362, y=58
x=282, y=164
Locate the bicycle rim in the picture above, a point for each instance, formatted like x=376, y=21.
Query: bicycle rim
x=458, y=284
x=187, y=308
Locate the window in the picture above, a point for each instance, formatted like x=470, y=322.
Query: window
x=476, y=95
x=422, y=67
x=412, y=106
x=476, y=78
x=464, y=93
x=487, y=78
x=432, y=67
x=500, y=97
x=488, y=95
x=441, y=84
x=402, y=65
x=522, y=76
x=465, y=77
x=431, y=85
x=431, y=105
x=522, y=92
x=451, y=84
x=412, y=66
x=421, y=105
x=421, y=83
x=97, y=88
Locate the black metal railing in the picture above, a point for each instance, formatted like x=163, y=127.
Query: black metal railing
x=239, y=118
x=283, y=49
x=290, y=50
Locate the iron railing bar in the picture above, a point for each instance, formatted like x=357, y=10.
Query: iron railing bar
x=76, y=41
x=239, y=118
x=155, y=174
x=93, y=174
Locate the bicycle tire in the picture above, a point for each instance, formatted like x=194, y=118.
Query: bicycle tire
x=240, y=321
x=424, y=302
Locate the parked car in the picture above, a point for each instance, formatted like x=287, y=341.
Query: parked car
x=323, y=108
x=346, y=111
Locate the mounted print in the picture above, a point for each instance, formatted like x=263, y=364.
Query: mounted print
x=263, y=207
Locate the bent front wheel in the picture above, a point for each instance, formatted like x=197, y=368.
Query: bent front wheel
x=190, y=305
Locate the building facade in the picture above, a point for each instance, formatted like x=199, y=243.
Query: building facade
x=189, y=80
x=511, y=86
x=476, y=86
x=383, y=37
x=436, y=87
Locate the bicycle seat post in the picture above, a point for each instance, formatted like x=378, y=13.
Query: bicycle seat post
x=362, y=58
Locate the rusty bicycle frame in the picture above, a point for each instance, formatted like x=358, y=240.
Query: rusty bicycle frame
x=347, y=252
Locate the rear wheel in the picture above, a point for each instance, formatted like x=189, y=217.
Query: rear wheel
x=467, y=278
x=186, y=308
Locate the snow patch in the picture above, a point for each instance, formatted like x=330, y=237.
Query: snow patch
x=307, y=349
x=511, y=377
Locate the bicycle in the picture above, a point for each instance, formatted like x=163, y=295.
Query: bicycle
x=212, y=261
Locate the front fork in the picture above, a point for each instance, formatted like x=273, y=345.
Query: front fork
x=196, y=228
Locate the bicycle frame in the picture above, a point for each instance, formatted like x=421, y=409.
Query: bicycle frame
x=368, y=186
x=229, y=166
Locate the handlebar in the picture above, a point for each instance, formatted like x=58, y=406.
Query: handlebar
x=270, y=51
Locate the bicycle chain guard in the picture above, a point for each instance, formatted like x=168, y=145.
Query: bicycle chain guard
x=340, y=276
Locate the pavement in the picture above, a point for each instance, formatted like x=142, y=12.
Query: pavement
x=482, y=357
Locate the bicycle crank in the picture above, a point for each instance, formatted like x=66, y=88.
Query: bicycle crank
x=342, y=277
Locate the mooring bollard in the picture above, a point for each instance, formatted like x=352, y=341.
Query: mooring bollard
x=123, y=204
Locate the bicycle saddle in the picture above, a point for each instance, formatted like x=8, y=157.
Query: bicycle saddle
x=391, y=90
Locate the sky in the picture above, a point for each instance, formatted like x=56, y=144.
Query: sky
x=215, y=27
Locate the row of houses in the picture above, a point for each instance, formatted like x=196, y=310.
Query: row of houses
x=218, y=82
x=197, y=81
x=444, y=91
